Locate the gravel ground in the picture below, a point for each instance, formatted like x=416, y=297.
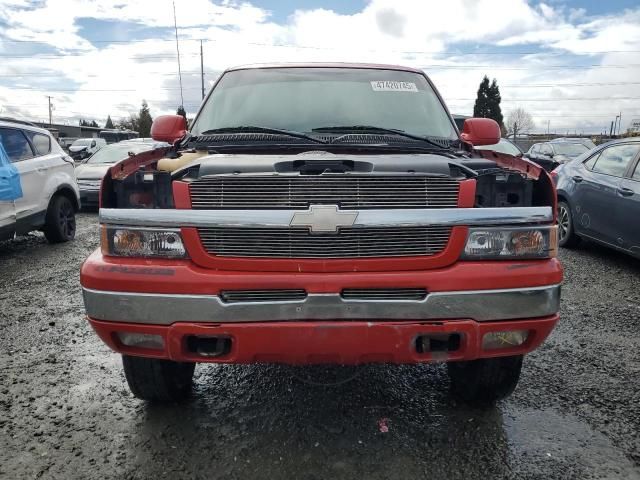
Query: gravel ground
x=66, y=411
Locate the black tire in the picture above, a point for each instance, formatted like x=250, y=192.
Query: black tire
x=483, y=382
x=60, y=220
x=567, y=237
x=158, y=380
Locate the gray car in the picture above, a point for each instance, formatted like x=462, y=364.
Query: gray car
x=599, y=197
x=89, y=174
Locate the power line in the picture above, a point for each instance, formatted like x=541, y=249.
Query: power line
x=313, y=47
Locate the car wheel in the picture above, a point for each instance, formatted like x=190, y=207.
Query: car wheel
x=483, y=382
x=60, y=220
x=566, y=235
x=158, y=380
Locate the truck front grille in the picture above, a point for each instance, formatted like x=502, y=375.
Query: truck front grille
x=346, y=191
x=235, y=296
x=298, y=242
x=384, y=294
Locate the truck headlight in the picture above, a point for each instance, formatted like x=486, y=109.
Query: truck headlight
x=509, y=243
x=142, y=242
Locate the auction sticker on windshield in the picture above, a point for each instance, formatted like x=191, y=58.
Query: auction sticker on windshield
x=393, y=86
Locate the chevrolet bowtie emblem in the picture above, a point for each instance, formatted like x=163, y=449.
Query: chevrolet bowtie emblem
x=324, y=218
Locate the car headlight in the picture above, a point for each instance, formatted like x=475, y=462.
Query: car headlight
x=142, y=242
x=509, y=243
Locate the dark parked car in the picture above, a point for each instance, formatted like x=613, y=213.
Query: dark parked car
x=599, y=197
x=551, y=154
x=503, y=146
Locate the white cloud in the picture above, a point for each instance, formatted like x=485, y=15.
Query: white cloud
x=415, y=33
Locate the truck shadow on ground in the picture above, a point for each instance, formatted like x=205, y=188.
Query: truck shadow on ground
x=388, y=421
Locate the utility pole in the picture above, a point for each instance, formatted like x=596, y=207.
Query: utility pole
x=202, y=69
x=49, y=97
x=611, y=130
x=620, y=123
x=175, y=24
x=548, y=124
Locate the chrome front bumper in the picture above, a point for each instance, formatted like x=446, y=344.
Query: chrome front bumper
x=479, y=305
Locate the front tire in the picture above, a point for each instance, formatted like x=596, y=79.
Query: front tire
x=60, y=220
x=483, y=382
x=567, y=237
x=158, y=380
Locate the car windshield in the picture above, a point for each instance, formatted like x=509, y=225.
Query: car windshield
x=83, y=142
x=569, y=149
x=115, y=153
x=504, y=146
x=304, y=99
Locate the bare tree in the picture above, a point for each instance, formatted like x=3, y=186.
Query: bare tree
x=519, y=121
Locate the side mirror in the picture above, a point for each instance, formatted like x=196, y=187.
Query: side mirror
x=168, y=128
x=480, y=131
x=93, y=144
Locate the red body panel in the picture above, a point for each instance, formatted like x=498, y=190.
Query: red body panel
x=184, y=277
x=347, y=343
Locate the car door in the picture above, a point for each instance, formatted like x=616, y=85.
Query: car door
x=50, y=163
x=629, y=216
x=600, y=198
x=533, y=152
x=22, y=157
x=32, y=169
x=545, y=157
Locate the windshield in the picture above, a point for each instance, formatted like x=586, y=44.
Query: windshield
x=504, y=146
x=303, y=99
x=569, y=149
x=115, y=153
x=85, y=142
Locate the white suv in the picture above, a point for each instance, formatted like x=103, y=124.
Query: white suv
x=38, y=189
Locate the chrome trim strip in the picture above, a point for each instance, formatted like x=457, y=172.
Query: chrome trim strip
x=165, y=309
x=407, y=217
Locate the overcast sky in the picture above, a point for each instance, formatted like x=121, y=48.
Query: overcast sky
x=574, y=65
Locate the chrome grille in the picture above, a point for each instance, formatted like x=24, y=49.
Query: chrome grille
x=344, y=190
x=348, y=242
x=234, y=296
x=384, y=293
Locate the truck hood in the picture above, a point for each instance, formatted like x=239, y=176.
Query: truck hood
x=317, y=162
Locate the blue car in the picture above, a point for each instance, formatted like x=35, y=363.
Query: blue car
x=599, y=197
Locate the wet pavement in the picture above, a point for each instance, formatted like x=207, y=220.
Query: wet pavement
x=66, y=412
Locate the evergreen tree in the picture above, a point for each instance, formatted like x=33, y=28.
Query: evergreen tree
x=94, y=124
x=144, y=120
x=109, y=123
x=488, y=101
x=182, y=111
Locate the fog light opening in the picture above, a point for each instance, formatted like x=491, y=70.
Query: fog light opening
x=504, y=339
x=442, y=342
x=209, y=346
x=141, y=340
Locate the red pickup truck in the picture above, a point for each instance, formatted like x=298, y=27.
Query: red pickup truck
x=324, y=214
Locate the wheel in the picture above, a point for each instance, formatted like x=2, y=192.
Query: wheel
x=158, y=380
x=566, y=235
x=60, y=220
x=483, y=382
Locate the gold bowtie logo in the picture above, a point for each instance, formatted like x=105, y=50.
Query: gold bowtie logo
x=324, y=218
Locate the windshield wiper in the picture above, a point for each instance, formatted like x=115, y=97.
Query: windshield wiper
x=254, y=129
x=371, y=128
